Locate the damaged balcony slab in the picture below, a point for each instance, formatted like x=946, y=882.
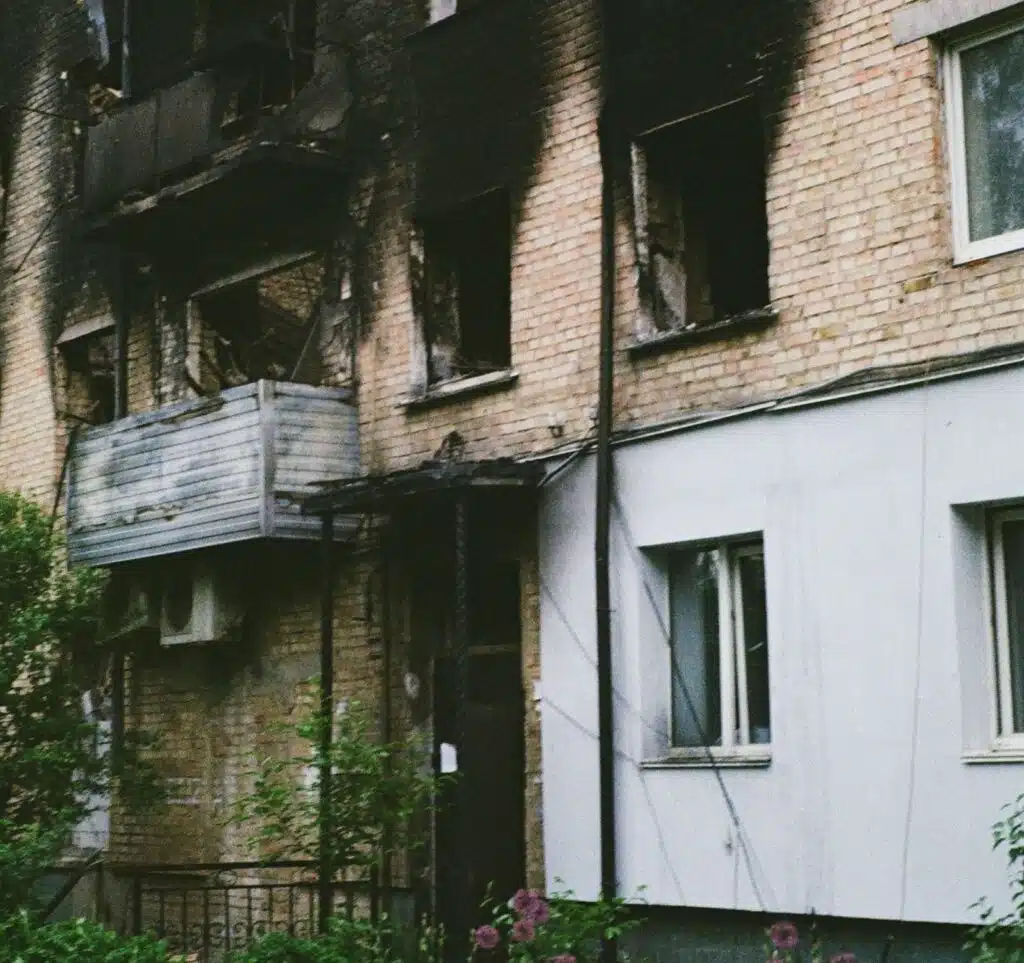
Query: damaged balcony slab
x=745, y=323
x=460, y=388
x=283, y=176
x=382, y=493
x=226, y=468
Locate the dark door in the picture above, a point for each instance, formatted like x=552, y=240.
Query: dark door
x=479, y=840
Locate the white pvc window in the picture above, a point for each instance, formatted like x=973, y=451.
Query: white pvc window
x=720, y=690
x=1008, y=620
x=985, y=105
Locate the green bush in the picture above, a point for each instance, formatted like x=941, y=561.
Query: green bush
x=74, y=941
x=347, y=941
x=1000, y=939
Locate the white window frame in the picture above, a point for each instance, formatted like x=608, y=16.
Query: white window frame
x=964, y=249
x=1002, y=714
x=732, y=667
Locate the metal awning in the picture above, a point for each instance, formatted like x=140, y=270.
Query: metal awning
x=384, y=493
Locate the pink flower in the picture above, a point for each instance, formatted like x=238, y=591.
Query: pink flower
x=523, y=931
x=522, y=901
x=487, y=937
x=563, y=958
x=784, y=936
x=537, y=912
x=843, y=958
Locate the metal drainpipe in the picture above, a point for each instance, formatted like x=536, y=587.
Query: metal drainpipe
x=602, y=529
x=122, y=319
x=326, y=864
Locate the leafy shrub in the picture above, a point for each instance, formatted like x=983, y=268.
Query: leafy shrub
x=562, y=930
x=375, y=789
x=1000, y=939
x=53, y=760
x=347, y=941
x=74, y=941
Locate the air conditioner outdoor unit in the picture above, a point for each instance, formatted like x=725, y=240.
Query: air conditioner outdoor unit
x=131, y=605
x=197, y=606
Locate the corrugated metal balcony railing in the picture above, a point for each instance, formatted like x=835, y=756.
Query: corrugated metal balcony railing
x=228, y=468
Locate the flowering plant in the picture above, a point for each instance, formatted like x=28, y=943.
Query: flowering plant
x=785, y=946
x=531, y=928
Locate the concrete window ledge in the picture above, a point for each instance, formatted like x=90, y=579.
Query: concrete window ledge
x=928, y=18
x=720, y=330
x=748, y=759
x=458, y=389
x=996, y=756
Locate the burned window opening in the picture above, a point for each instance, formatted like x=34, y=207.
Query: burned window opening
x=91, y=362
x=467, y=289
x=256, y=328
x=701, y=225
x=269, y=48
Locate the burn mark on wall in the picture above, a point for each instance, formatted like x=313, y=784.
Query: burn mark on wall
x=669, y=60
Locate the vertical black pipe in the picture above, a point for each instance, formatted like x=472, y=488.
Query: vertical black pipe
x=122, y=321
x=602, y=530
x=461, y=644
x=326, y=868
x=386, y=671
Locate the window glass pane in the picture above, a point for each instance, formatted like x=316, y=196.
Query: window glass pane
x=694, y=602
x=1013, y=555
x=993, y=91
x=755, y=644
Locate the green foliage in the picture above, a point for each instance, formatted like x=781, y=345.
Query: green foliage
x=75, y=940
x=531, y=928
x=375, y=788
x=347, y=941
x=1000, y=939
x=52, y=759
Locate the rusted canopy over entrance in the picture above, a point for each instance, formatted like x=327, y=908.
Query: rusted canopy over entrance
x=386, y=493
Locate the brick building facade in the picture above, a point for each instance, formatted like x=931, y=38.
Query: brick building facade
x=407, y=205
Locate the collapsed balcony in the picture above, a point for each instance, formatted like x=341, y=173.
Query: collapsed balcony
x=227, y=468
x=234, y=146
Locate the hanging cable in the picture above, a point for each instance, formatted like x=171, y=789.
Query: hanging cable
x=915, y=721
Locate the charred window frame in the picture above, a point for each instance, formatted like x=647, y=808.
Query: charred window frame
x=464, y=306
x=261, y=323
x=700, y=223
x=268, y=46
x=89, y=350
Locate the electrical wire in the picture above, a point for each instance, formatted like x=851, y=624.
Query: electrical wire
x=915, y=722
x=655, y=730
x=746, y=847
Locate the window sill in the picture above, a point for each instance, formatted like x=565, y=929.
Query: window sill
x=458, y=388
x=974, y=251
x=748, y=321
x=752, y=757
x=997, y=755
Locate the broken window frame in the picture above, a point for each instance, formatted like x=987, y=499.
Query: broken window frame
x=75, y=345
x=428, y=250
x=654, y=318
x=198, y=335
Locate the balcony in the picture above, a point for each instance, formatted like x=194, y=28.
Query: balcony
x=232, y=146
x=228, y=468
